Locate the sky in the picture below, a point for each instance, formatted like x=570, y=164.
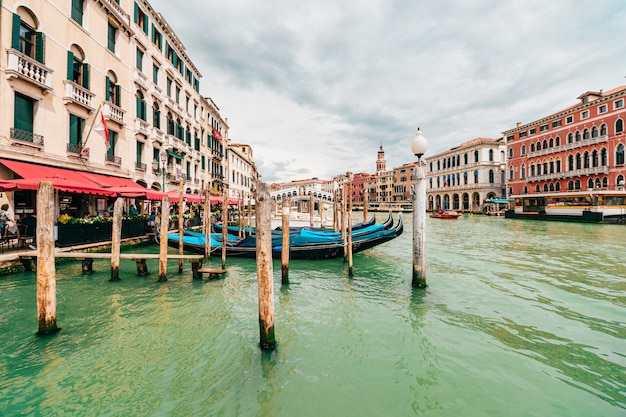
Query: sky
x=316, y=86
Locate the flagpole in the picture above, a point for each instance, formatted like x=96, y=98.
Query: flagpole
x=91, y=127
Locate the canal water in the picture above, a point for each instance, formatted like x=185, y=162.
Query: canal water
x=520, y=318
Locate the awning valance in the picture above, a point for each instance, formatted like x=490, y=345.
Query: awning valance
x=175, y=155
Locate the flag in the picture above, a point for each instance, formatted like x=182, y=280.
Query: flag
x=102, y=130
x=84, y=151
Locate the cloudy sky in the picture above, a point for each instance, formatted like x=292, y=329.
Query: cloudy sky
x=315, y=86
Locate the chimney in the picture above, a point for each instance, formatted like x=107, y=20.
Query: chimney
x=518, y=124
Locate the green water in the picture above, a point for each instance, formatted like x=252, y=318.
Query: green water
x=519, y=319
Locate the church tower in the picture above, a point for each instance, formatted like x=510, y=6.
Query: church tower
x=381, y=164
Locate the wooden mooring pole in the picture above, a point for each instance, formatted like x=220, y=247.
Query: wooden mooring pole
x=181, y=223
x=264, y=267
x=46, y=272
x=284, y=256
x=419, y=229
x=224, y=223
x=165, y=224
x=207, y=225
x=366, y=195
x=116, y=238
x=350, y=265
x=344, y=209
x=312, y=211
x=336, y=211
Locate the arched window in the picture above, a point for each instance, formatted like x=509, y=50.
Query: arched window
x=558, y=165
x=112, y=89
x=532, y=147
x=570, y=185
x=619, y=154
x=525, y=189
x=570, y=138
x=465, y=159
x=577, y=184
x=490, y=155
x=545, y=144
x=25, y=37
x=603, y=157
x=510, y=152
x=586, y=134
x=141, y=105
x=551, y=187
x=557, y=187
x=475, y=156
x=523, y=171
x=77, y=68
x=537, y=189
x=605, y=182
x=458, y=160
x=156, y=115
x=545, y=187
x=511, y=173
x=586, y=160
x=577, y=136
x=603, y=130
x=620, y=180
x=557, y=141
x=570, y=163
x=438, y=165
x=551, y=143
x=523, y=150
x=619, y=126
x=598, y=183
x=551, y=167
x=590, y=183
x=171, y=127
x=532, y=170
x=594, y=158
x=475, y=177
x=594, y=132
x=578, y=161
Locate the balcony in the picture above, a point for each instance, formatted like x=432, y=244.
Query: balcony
x=26, y=68
x=74, y=93
x=569, y=146
x=141, y=79
x=142, y=127
x=25, y=137
x=118, y=12
x=114, y=113
x=140, y=166
x=112, y=159
x=158, y=136
x=569, y=174
x=74, y=148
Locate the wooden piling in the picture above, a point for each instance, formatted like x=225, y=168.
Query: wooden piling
x=350, y=229
x=320, y=211
x=165, y=223
x=46, y=272
x=264, y=267
x=336, y=200
x=116, y=238
x=284, y=256
x=312, y=211
x=249, y=213
x=239, y=210
x=224, y=223
x=181, y=223
x=366, y=203
x=344, y=222
x=207, y=225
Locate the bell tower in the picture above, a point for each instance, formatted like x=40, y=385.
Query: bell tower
x=381, y=164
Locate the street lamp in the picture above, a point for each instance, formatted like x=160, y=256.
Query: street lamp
x=418, y=146
x=155, y=166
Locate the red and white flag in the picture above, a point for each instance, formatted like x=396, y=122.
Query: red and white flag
x=102, y=129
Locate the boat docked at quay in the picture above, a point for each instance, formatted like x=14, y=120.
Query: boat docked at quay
x=445, y=214
x=591, y=206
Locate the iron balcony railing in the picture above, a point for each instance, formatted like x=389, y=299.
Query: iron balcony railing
x=28, y=137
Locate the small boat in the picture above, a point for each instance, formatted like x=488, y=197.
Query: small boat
x=445, y=214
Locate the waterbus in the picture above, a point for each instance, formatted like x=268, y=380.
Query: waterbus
x=594, y=206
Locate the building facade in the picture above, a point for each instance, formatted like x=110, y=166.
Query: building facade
x=463, y=177
x=578, y=148
x=72, y=67
x=242, y=172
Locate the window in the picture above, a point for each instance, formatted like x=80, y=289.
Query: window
x=619, y=155
x=523, y=172
x=111, y=35
x=491, y=176
x=77, y=70
x=141, y=105
x=490, y=154
x=157, y=38
x=556, y=123
x=156, y=115
x=112, y=93
x=77, y=11
x=511, y=153
x=155, y=74
x=602, y=109
x=511, y=173
x=522, y=134
x=475, y=177
x=139, y=152
x=586, y=134
x=24, y=37
x=141, y=19
x=532, y=131
x=619, y=126
x=618, y=104
x=177, y=94
x=24, y=114
x=76, y=133
x=139, y=63
x=475, y=156
x=603, y=130
x=584, y=114
x=569, y=119
x=111, y=150
x=169, y=87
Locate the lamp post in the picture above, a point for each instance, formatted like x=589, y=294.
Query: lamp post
x=418, y=146
x=163, y=156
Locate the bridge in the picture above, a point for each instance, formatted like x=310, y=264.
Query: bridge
x=301, y=193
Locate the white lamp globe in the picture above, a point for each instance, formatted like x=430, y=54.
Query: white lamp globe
x=418, y=144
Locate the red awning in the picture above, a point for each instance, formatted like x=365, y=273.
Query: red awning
x=217, y=134
x=174, y=196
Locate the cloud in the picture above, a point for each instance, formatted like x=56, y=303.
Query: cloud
x=316, y=86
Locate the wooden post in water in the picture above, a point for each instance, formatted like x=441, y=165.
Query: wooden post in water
x=284, y=256
x=366, y=195
x=343, y=222
x=320, y=211
x=116, y=238
x=207, y=225
x=335, y=211
x=250, y=213
x=181, y=223
x=165, y=223
x=419, y=229
x=224, y=222
x=46, y=272
x=312, y=211
x=264, y=267
x=349, y=227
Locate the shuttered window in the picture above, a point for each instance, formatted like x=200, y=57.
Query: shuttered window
x=23, y=116
x=76, y=129
x=77, y=11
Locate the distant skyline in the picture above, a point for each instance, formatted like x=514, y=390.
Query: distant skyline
x=314, y=87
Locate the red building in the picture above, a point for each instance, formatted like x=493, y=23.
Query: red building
x=575, y=149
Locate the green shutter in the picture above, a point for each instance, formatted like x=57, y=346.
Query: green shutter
x=77, y=11
x=139, y=149
x=136, y=13
x=145, y=24
x=40, y=47
x=86, y=76
x=75, y=128
x=107, y=89
x=15, y=41
x=112, y=137
x=138, y=107
x=160, y=41
x=118, y=96
x=70, y=65
x=23, y=113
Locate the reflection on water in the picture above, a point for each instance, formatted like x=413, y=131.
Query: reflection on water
x=520, y=319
